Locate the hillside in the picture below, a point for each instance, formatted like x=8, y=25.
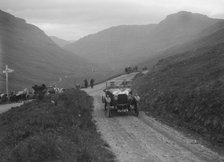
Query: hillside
x=36, y=59
x=209, y=37
x=40, y=131
x=209, y=40
x=181, y=27
x=187, y=90
x=60, y=42
x=115, y=46
x=130, y=44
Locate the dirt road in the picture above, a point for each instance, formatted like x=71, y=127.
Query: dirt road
x=6, y=107
x=142, y=138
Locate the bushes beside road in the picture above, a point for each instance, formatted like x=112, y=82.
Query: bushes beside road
x=44, y=131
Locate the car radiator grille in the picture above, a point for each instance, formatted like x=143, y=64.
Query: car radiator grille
x=122, y=99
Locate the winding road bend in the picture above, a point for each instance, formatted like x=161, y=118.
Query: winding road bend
x=142, y=138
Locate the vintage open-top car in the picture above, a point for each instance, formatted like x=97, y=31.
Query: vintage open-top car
x=118, y=97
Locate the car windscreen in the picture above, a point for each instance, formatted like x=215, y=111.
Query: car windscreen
x=119, y=84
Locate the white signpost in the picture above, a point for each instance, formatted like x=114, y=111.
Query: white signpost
x=6, y=72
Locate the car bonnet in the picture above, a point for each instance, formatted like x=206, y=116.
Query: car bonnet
x=120, y=91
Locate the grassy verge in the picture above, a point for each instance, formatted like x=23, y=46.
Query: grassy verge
x=42, y=131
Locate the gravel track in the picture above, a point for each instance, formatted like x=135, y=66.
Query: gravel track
x=143, y=138
x=6, y=107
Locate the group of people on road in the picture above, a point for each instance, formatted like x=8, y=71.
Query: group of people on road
x=86, y=84
x=26, y=94
x=15, y=96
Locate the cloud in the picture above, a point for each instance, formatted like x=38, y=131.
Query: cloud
x=61, y=17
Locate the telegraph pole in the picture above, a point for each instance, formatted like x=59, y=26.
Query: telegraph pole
x=7, y=81
x=7, y=71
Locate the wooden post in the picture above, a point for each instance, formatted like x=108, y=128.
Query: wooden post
x=7, y=81
x=7, y=71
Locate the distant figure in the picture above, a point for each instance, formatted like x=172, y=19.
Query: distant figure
x=77, y=86
x=40, y=91
x=43, y=88
x=86, y=83
x=124, y=83
x=92, y=83
x=112, y=84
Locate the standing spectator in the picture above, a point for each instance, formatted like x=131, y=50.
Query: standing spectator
x=86, y=83
x=77, y=86
x=92, y=83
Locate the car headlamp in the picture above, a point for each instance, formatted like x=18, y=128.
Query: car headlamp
x=129, y=97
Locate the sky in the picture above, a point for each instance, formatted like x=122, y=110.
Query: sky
x=73, y=19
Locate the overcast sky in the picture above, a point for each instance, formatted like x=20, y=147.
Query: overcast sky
x=73, y=19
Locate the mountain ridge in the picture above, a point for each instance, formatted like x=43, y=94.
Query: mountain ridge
x=126, y=45
x=36, y=59
x=60, y=42
x=187, y=90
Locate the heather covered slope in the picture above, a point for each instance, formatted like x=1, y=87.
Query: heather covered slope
x=209, y=37
x=187, y=90
x=40, y=131
x=130, y=44
x=35, y=57
x=60, y=42
x=117, y=46
x=179, y=28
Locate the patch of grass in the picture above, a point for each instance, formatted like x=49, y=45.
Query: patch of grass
x=42, y=131
x=187, y=90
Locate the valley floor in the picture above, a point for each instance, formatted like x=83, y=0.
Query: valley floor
x=144, y=138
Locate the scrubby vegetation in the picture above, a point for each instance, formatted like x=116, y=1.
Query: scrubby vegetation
x=188, y=90
x=42, y=131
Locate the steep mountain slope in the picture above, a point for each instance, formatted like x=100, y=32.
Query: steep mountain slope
x=60, y=42
x=115, y=46
x=187, y=90
x=191, y=49
x=179, y=28
x=35, y=58
x=123, y=45
x=209, y=40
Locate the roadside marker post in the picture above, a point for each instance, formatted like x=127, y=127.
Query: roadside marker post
x=6, y=72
